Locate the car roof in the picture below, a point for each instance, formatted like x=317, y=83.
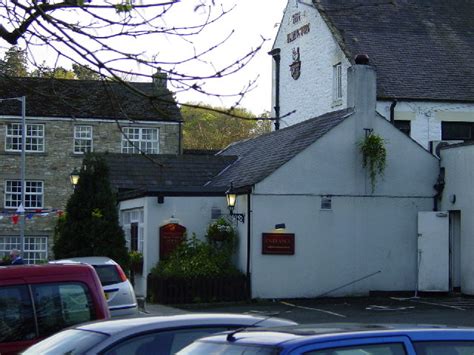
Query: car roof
x=17, y=271
x=93, y=260
x=313, y=333
x=136, y=325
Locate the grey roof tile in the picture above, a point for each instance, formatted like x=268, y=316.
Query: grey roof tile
x=261, y=156
x=87, y=99
x=422, y=49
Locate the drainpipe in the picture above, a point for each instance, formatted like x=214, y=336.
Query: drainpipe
x=248, y=245
x=392, y=111
x=275, y=53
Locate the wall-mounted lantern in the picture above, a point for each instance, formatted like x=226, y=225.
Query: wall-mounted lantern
x=231, y=197
x=74, y=178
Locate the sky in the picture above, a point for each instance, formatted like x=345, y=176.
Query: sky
x=251, y=20
x=242, y=30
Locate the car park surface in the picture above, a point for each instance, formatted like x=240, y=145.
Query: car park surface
x=117, y=288
x=339, y=339
x=39, y=300
x=147, y=335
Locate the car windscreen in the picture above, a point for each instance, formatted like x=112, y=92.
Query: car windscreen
x=206, y=348
x=71, y=341
x=108, y=274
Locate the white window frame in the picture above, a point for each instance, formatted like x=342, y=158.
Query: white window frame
x=34, y=138
x=140, y=140
x=128, y=217
x=36, y=247
x=83, y=139
x=33, y=188
x=337, y=83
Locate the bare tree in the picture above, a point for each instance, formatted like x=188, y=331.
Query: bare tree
x=124, y=39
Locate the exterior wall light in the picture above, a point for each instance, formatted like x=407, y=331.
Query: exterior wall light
x=231, y=197
x=74, y=178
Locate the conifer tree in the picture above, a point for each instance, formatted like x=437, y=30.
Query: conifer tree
x=90, y=226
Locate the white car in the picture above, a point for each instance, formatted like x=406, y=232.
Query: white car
x=160, y=335
x=117, y=288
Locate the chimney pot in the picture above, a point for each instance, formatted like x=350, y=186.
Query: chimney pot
x=362, y=59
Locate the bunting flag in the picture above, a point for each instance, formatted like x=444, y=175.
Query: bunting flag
x=14, y=215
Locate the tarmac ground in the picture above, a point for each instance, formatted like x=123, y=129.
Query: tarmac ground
x=431, y=309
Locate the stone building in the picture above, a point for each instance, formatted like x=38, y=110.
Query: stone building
x=422, y=51
x=64, y=119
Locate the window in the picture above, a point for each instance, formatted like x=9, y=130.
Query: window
x=374, y=349
x=16, y=314
x=61, y=305
x=82, y=139
x=337, y=83
x=36, y=247
x=137, y=140
x=326, y=203
x=457, y=131
x=403, y=126
x=444, y=347
x=133, y=226
x=34, y=138
x=33, y=194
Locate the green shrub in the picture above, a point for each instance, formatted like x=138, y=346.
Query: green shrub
x=195, y=258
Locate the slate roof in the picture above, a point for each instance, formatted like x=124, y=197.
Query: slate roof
x=166, y=174
x=261, y=156
x=87, y=99
x=422, y=49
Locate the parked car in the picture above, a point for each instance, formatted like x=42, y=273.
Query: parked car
x=160, y=335
x=39, y=300
x=339, y=339
x=117, y=288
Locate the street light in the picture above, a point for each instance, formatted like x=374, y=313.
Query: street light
x=231, y=197
x=74, y=178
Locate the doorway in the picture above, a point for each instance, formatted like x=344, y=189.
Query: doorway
x=455, y=251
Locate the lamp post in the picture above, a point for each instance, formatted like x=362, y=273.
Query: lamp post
x=231, y=197
x=21, y=208
x=74, y=178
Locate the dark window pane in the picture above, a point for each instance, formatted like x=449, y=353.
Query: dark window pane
x=134, y=236
x=456, y=130
x=444, y=347
x=403, y=126
x=16, y=314
x=366, y=349
x=108, y=274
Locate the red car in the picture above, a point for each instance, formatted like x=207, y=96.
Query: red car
x=39, y=300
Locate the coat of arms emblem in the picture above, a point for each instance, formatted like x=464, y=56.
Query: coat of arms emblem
x=295, y=67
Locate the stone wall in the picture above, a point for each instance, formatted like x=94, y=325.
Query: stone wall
x=57, y=162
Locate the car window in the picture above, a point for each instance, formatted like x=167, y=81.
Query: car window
x=206, y=348
x=70, y=341
x=373, y=349
x=162, y=343
x=108, y=274
x=16, y=314
x=444, y=348
x=59, y=305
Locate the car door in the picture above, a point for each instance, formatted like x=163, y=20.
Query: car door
x=363, y=346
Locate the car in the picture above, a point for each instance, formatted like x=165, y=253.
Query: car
x=339, y=339
x=118, y=290
x=161, y=335
x=37, y=301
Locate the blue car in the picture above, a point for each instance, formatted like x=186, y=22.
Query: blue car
x=339, y=339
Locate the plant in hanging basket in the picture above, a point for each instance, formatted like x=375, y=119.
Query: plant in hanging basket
x=220, y=230
x=374, y=156
x=136, y=261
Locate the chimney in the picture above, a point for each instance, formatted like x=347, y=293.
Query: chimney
x=160, y=80
x=361, y=85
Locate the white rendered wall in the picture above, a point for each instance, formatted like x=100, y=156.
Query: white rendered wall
x=459, y=175
x=362, y=234
x=194, y=213
x=311, y=94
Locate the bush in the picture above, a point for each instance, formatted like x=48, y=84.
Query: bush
x=194, y=259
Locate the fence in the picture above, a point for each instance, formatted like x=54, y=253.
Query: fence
x=179, y=290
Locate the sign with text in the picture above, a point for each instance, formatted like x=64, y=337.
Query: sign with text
x=171, y=236
x=278, y=243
